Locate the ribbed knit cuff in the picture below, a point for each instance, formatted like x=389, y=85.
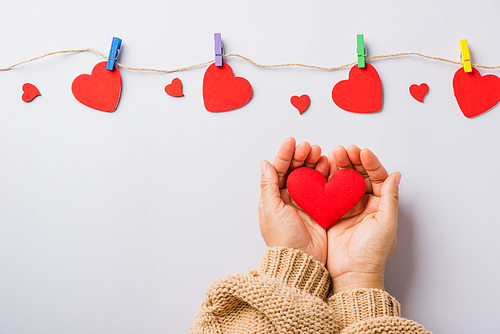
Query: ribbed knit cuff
x=353, y=306
x=296, y=269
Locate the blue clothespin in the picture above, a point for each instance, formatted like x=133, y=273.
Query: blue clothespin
x=113, y=53
x=219, y=49
x=361, y=51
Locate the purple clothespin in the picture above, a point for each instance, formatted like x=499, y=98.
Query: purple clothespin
x=219, y=49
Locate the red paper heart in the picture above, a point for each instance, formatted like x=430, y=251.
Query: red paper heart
x=301, y=103
x=100, y=90
x=419, y=91
x=326, y=202
x=475, y=94
x=222, y=91
x=361, y=93
x=30, y=92
x=175, y=88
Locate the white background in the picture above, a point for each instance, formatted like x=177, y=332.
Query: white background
x=118, y=222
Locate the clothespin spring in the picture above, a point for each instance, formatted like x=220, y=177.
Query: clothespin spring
x=116, y=45
x=361, y=51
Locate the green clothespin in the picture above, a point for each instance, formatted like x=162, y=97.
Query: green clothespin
x=361, y=51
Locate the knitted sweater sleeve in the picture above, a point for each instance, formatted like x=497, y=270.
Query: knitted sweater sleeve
x=286, y=294
x=370, y=311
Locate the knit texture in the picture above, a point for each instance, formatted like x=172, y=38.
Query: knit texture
x=287, y=295
x=358, y=305
x=370, y=311
x=296, y=269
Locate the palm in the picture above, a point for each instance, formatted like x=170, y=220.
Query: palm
x=351, y=244
x=310, y=237
x=360, y=243
x=282, y=222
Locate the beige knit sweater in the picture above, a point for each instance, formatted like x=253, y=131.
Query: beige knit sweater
x=287, y=294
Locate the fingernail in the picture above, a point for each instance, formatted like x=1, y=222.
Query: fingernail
x=263, y=167
x=398, y=179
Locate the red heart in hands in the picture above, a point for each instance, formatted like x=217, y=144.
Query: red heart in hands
x=361, y=93
x=419, y=91
x=30, y=92
x=100, y=90
x=475, y=94
x=222, y=91
x=175, y=88
x=326, y=202
x=301, y=103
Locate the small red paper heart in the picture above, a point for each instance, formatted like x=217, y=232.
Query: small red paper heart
x=361, y=93
x=222, y=91
x=175, y=88
x=326, y=202
x=419, y=91
x=475, y=94
x=100, y=90
x=30, y=92
x=301, y=103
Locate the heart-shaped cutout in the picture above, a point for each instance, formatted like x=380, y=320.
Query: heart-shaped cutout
x=175, y=88
x=361, y=93
x=419, y=91
x=222, y=91
x=29, y=92
x=101, y=90
x=301, y=103
x=475, y=94
x=326, y=202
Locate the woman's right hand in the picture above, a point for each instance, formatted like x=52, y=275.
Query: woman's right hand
x=362, y=241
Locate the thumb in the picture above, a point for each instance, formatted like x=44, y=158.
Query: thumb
x=269, y=189
x=389, y=200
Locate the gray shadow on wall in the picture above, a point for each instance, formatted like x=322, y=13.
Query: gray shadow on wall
x=400, y=267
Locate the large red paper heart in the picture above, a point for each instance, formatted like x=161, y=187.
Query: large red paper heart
x=361, y=93
x=29, y=92
x=100, y=90
x=326, y=202
x=301, y=103
x=475, y=94
x=222, y=91
x=175, y=88
x=419, y=91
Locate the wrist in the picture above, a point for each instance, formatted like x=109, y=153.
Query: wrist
x=353, y=280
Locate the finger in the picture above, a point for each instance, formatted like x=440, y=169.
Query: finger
x=354, y=154
x=342, y=158
x=322, y=166
x=387, y=213
x=299, y=157
x=339, y=159
x=332, y=165
x=313, y=157
x=269, y=190
x=283, y=159
x=375, y=170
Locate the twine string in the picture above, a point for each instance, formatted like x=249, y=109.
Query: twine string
x=394, y=55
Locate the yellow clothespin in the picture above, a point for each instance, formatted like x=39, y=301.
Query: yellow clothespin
x=465, y=55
